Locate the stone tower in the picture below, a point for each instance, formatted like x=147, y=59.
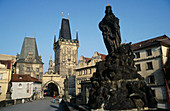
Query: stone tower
x=28, y=61
x=66, y=54
x=66, y=51
x=51, y=66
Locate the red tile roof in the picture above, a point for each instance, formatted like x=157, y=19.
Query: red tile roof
x=103, y=56
x=24, y=78
x=87, y=59
x=6, y=62
x=154, y=41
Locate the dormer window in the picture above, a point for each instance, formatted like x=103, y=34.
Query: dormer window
x=20, y=77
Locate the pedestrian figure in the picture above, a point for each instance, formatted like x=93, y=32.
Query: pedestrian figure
x=53, y=98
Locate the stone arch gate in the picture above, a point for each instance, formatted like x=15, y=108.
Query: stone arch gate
x=54, y=80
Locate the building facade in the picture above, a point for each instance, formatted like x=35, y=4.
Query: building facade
x=66, y=54
x=28, y=61
x=25, y=87
x=151, y=56
x=150, y=59
x=85, y=69
x=6, y=69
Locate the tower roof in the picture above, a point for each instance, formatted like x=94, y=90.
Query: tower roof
x=65, y=32
x=29, y=47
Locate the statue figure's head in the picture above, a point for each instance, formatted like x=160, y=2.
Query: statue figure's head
x=108, y=10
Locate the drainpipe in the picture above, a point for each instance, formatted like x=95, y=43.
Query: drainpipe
x=166, y=84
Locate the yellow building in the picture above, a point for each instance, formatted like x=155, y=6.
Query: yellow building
x=6, y=67
x=86, y=68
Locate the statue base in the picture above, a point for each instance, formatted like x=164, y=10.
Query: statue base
x=116, y=85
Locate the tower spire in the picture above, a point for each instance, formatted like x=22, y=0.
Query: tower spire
x=65, y=32
x=54, y=37
x=77, y=35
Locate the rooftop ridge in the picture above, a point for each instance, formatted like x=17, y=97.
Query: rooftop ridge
x=8, y=55
x=150, y=42
x=24, y=78
x=152, y=39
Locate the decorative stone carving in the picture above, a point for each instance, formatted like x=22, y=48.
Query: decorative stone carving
x=116, y=85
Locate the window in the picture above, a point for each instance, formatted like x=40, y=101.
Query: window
x=37, y=69
x=28, y=69
x=149, y=52
x=20, y=85
x=149, y=66
x=20, y=77
x=37, y=76
x=138, y=67
x=90, y=71
x=0, y=76
x=80, y=73
x=85, y=72
x=151, y=79
x=137, y=54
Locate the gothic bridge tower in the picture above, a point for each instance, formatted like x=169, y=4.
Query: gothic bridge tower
x=66, y=54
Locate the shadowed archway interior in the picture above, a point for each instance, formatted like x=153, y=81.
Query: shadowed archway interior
x=51, y=89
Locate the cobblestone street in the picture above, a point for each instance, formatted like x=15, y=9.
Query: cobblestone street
x=37, y=105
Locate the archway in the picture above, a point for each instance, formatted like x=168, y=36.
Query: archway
x=51, y=89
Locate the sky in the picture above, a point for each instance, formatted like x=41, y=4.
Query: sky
x=138, y=19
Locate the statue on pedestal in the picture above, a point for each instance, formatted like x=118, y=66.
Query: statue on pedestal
x=116, y=85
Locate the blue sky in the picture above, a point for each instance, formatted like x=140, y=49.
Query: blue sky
x=139, y=20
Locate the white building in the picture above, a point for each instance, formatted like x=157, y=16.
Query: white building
x=151, y=56
x=25, y=86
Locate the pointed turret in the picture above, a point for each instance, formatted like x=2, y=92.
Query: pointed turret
x=77, y=35
x=65, y=32
x=51, y=66
x=54, y=37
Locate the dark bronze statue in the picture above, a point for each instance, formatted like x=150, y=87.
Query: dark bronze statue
x=111, y=31
x=116, y=85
